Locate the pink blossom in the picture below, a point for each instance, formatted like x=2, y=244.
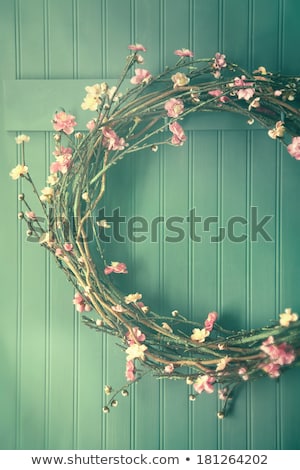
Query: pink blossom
x=244, y=93
x=294, y=148
x=111, y=141
x=61, y=150
x=68, y=246
x=116, y=267
x=81, y=304
x=209, y=322
x=220, y=61
x=281, y=354
x=174, y=107
x=31, y=215
x=204, y=383
x=169, y=369
x=285, y=354
x=184, y=53
x=272, y=369
x=62, y=164
x=135, y=335
x=179, y=136
x=59, y=252
x=222, y=99
x=64, y=122
x=91, y=125
x=141, y=76
x=130, y=371
x=63, y=161
x=136, y=47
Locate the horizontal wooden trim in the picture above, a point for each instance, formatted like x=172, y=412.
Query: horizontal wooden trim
x=29, y=105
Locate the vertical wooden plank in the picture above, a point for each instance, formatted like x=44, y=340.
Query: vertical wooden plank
x=32, y=360
x=118, y=35
x=233, y=265
x=263, y=273
x=207, y=154
x=288, y=417
x=9, y=274
x=64, y=320
x=148, y=204
x=265, y=26
x=62, y=41
x=91, y=28
x=207, y=34
x=234, y=22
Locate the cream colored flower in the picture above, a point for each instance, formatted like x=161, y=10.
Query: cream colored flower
x=167, y=327
x=22, y=138
x=223, y=363
x=47, y=194
x=179, y=79
x=199, y=335
x=85, y=196
x=132, y=298
x=136, y=351
x=90, y=102
x=53, y=179
x=278, y=130
x=19, y=170
x=254, y=104
x=287, y=317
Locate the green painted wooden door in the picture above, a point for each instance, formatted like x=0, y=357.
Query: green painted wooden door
x=53, y=369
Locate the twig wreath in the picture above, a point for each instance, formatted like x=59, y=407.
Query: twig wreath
x=203, y=354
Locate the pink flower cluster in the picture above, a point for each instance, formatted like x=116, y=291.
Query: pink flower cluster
x=64, y=122
x=116, y=267
x=280, y=355
x=81, y=303
x=216, y=93
x=219, y=63
x=204, y=383
x=133, y=339
x=130, y=371
x=179, y=136
x=294, y=148
x=247, y=91
x=210, y=321
x=184, y=53
x=111, y=141
x=63, y=161
x=141, y=76
x=134, y=336
x=174, y=107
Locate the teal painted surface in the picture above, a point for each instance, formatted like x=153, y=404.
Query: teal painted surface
x=52, y=368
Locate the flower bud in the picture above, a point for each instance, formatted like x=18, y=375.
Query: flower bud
x=125, y=393
x=105, y=409
x=107, y=389
x=114, y=403
x=21, y=197
x=21, y=215
x=192, y=397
